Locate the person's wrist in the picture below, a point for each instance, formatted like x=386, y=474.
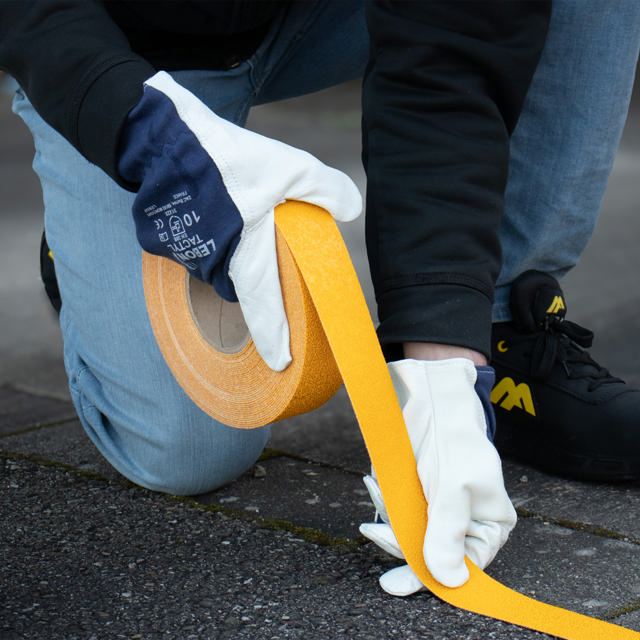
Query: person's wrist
x=435, y=351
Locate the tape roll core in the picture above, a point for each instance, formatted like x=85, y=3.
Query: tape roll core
x=220, y=322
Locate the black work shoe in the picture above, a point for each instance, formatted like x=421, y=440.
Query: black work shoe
x=48, y=274
x=556, y=408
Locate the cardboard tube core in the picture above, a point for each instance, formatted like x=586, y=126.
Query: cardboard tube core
x=220, y=322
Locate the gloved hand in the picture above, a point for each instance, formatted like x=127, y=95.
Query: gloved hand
x=208, y=189
x=469, y=512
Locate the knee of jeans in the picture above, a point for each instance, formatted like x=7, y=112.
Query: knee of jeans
x=205, y=456
x=196, y=454
x=170, y=446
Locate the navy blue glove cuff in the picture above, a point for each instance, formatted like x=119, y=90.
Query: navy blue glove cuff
x=484, y=385
x=182, y=209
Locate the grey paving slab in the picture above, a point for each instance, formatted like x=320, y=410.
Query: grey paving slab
x=330, y=434
x=20, y=410
x=595, y=574
x=587, y=573
x=331, y=501
x=117, y=561
x=66, y=443
x=86, y=557
x=332, y=498
x=325, y=498
x=609, y=507
x=101, y=561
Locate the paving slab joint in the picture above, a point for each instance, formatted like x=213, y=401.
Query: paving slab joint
x=585, y=527
x=37, y=427
x=270, y=454
x=621, y=611
x=56, y=464
x=308, y=534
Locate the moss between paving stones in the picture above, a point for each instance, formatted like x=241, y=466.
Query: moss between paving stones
x=597, y=530
x=308, y=534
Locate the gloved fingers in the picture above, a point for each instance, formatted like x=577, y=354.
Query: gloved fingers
x=483, y=541
x=376, y=497
x=444, y=542
x=327, y=188
x=254, y=272
x=453, y=532
x=492, y=520
x=270, y=171
x=401, y=581
x=382, y=535
x=491, y=501
x=306, y=178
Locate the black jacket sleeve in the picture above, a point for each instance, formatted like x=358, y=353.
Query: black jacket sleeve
x=77, y=69
x=443, y=91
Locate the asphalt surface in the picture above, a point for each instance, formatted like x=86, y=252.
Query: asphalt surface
x=88, y=555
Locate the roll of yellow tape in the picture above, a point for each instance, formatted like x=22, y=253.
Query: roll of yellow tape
x=207, y=346
x=332, y=303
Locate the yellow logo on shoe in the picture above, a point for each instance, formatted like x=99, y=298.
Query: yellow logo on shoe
x=508, y=395
x=557, y=305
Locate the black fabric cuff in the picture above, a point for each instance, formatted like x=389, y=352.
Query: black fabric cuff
x=104, y=110
x=440, y=313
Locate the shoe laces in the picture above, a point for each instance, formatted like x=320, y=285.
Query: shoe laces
x=565, y=342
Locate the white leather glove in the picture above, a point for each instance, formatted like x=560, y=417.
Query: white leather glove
x=469, y=511
x=206, y=198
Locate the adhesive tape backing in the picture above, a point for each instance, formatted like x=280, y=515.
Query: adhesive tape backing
x=205, y=341
x=332, y=340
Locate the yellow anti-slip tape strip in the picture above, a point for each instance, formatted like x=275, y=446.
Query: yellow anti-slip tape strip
x=344, y=315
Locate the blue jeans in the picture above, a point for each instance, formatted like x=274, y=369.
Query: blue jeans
x=128, y=401
x=564, y=145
